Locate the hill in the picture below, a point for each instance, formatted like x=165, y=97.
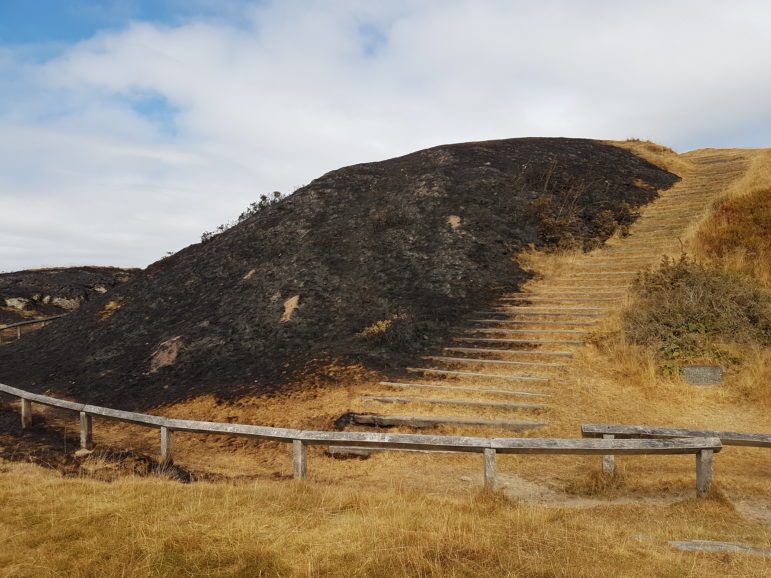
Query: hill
x=47, y=292
x=369, y=264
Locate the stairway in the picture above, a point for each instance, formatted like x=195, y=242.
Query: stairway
x=509, y=365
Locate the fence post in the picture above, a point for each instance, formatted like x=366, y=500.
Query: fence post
x=86, y=437
x=167, y=446
x=26, y=413
x=703, y=472
x=299, y=459
x=490, y=468
x=608, y=462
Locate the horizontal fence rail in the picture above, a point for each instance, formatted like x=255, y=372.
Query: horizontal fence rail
x=702, y=447
x=610, y=432
x=18, y=325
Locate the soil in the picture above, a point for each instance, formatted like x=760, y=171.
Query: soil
x=369, y=264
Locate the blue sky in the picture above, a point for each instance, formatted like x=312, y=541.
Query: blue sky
x=127, y=128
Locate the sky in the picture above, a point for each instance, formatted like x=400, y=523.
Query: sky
x=130, y=127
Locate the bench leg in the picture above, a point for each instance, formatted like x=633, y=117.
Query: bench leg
x=299, y=459
x=703, y=473
x=167, y=446
x=490, y=468
x=608, y=462
x=86, y=437
x=26, y=413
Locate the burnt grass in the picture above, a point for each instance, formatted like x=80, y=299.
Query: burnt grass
x=360, y=245
x=44, y=289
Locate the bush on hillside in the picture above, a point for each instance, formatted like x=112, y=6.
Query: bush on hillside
x=685, y=310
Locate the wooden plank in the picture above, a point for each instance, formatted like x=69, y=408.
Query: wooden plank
x=86, y=431
x=41, y=399
x=603, y=446
x=562, y=299
x=524, y=341
x=127, y=416
x=461, y=402
x=528, y=331
x=531, y=322
x=547, y=309
x=299, y=460
x=608, y=462
x=525, y=313
x=474, y=374
x=703, y=473
x=462, y=388
x=26, y=413
x=419, y=421
x=490, y=468
x=508, y=351
x=728, y=438
x=491, y=361
x=167, y=446
x=31, y=322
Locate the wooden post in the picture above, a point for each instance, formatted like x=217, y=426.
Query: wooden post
x=167, y=446
x=299, y=459
x=608, y=462
x=86, y=437
x=26, y=413
x=18, y=333
x=490, y=468
x=703, y=473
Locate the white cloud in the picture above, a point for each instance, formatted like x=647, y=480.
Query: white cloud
x=133, y=142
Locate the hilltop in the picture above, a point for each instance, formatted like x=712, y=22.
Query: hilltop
x=367, y=265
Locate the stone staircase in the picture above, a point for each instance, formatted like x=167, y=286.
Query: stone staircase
x=509, y=365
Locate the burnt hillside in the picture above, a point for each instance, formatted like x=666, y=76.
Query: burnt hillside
x=369, y=263
x=44, y=292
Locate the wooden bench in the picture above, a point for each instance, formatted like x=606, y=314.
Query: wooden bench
x=703, y=447
x=728, y=438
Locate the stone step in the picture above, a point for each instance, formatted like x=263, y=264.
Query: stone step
x=459, y=402
x=435, y=421
x=475, y=374
x=462, y=388
x=506, y=351
x=520, y=341
x=491, y=361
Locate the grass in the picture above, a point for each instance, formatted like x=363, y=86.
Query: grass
x=307, y=529
x=656, y=154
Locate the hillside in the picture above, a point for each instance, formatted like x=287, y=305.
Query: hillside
x=46, y=292
x=368, y=264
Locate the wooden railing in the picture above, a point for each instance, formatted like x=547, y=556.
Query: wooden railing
x=702, y=447
x=21, y=324
x=609, y=432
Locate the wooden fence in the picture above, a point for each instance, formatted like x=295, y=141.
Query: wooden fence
x=702, y=447
x=21, y=324
x=728, y=438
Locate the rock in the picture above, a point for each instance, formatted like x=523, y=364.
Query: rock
x=712, y=546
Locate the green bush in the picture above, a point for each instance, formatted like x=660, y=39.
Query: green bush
x=685, y=310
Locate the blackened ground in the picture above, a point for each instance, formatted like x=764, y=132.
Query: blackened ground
x=383, y=258
x=47, y=292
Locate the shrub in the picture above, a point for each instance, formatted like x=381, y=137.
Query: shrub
x=685, y=310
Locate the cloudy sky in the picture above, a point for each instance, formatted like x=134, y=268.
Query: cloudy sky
x=129, y=127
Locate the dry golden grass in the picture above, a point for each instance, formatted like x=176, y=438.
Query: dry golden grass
x=148, y=527
x=656, y=154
